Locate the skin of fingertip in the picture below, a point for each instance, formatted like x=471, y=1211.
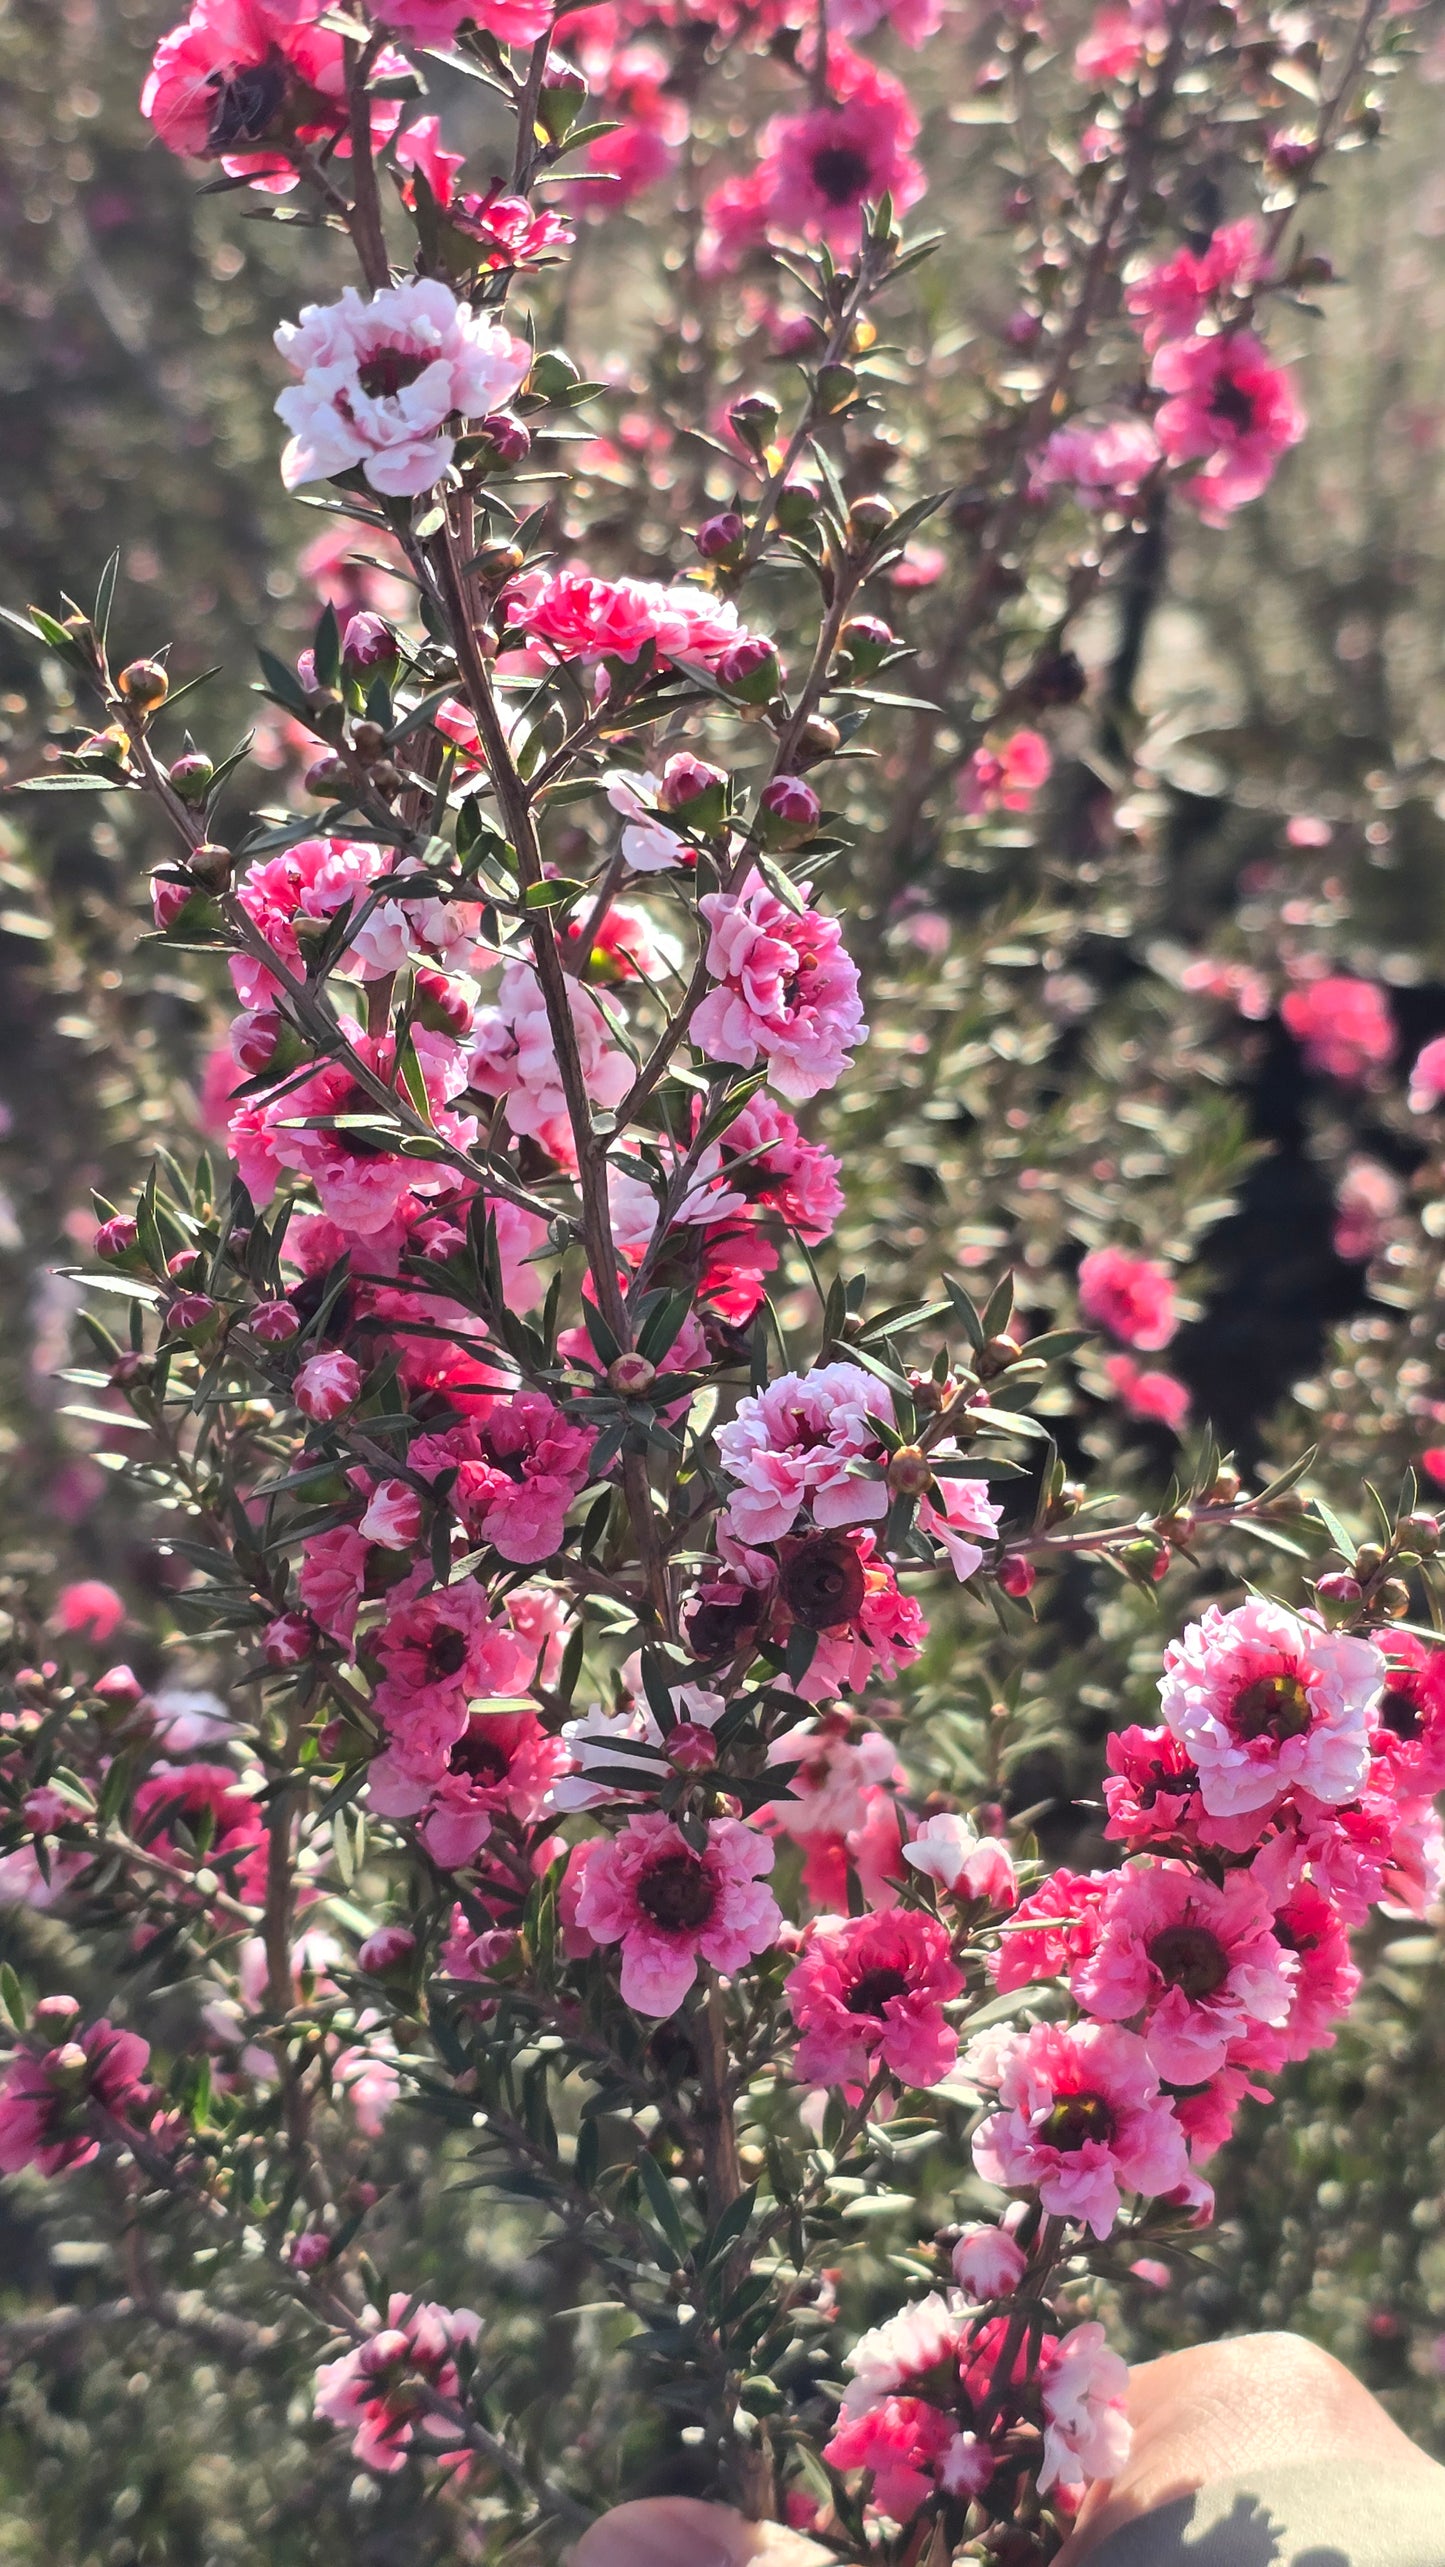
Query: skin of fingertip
x=680, y=2531
x=1220, y=2410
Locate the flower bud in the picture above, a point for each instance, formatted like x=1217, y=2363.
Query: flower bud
x=749, y=670
x=1338, y=1593
x=191, y=776
x=168, y=899
x=754, y=421
x=631, y=1376
x=820, y=739
x=788, y=810
x=120, y=1688
x=561, y=98
x=910, y=1472
x=390, y=1948
x=329, y=776
x=117, y=1237
x=722, y=538
x=210, y=865
x=1424, y=1532
x=837, y=386
x=1369, y=1560
x=867, y=641
x=368, y=742
x=496, y=563
x=869, y=518
x=191, y=1314
x=503, y=437
x=55, y=2014
x=796, y=506
x=1016, y=1575
x=274, y=1322
x=368, y=646
x=186, y=1266
x=327, y=1386
x=987, y=2264
x=308, y=2252
x=1226, y=1487
x=289, y=1639
x=690, y=1747
x=144, y=684
x=385, y=778
x=393, y=1517
x=695, y=790
x=1394, y=1599
x=1059, y=678
x=254, y=1038
x=440, y=1006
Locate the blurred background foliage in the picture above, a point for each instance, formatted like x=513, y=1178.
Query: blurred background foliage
x=1035, y=1065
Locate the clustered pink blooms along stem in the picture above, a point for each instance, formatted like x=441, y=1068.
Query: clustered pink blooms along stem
x=560, y=1570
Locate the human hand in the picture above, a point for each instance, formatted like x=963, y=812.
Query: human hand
x=679, y=2531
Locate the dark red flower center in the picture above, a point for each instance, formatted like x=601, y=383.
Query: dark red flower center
x=1272, y=1707
x=247, y=102
x=677, y=1893
x=390, y=370
x=478, y=1754
x=841, y=173
x=446, y=1652
x=1191, y=1958
x=822, y=1581
x=872, y=1992
x=1400, y=1712
x=1231, y=403
x=1076, y=2119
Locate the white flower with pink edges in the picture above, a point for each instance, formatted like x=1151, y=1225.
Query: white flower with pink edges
x=805, y=1443
x=786, y=992
x=1269, y=1702
x=381, y=382
x=1086, y=2430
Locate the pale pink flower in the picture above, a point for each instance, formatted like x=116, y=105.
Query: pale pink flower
x=869, y=1994
x=393, y=1516
x=961, y=1515
x=1099, y=462
x=382, y=2386
x=1366, y=1199
x=805, y=1442
x=380, y=380
x=1427, y=1078
x=786, y=992
x=1229, y=406
x=672, y=1909
x=49, y=2098
x=513, y=1055
x=1267, y=1702
x=648, y=845
x=1131, y=1296
x=1086, y=2427
x=1326, y=1982
x=1080, y=2117
x=988, y=2264
x=327, y=1385
x=832, y=1777
x=949, y=1849
x=1006, y=776
x=1343, y=1025
x=1199, y=1963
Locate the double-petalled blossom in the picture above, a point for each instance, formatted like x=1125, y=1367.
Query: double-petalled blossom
x=387, y=2385
x=869, y=1994
x=672, y=1908
x=1080, y=2118
x=1197, y=1964
x=51, y=2100
x=805, y=1444
x=1267, y=1702
x=785, y=992
x=381, y=382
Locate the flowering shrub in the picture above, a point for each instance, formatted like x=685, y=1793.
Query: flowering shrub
x=567, y=1516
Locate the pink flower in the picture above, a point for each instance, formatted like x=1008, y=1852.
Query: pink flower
x=238, y=74
x=903, y=2442
x=831, y=1779
x=439, y=1648
x=327, y=1385
x=393, y=1516
x=1051, y=1930
x=1326, y=1981
x=89, y=1610
x=518, y=1464
x=804, y=1442
x=671, y=1908
x=379, y=380
x=1080, y=2117
x=961, y=1515
x=1266, y=1703
x=1343, y=1025
x=1148, y=1393
x=1427, y=1078
x=383, y=2385
x=787, y=992
x=988, y=2264
x=1410, y=1741
x=1198, y=1962
x=1133, y=1297
x=1100, y=463
x=332, y=1579
x=816, y=172
x=1172, y=299
x=503, y=1763
x=1086, y=2428
x=47, y=2099
x=435, y=22
x=651, y=126
x=1231, y=406
x=1365, y=1199
x=869, y=1994
x=1007, y=777
x=953, y=1854
x=513, y=1055
x=225, y=1831
x=1151, y=1790
x=1113, y=48
x=592, y=619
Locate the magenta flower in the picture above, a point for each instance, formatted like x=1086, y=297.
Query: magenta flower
x=1199, y=1963
x=379, y=380
x=1267, y=1702
x=1007, y=776
x=1410, y=1741
x=590, y=619
x=1229, y=405
x=501, y=1764
x=224, y=1823
x=239, y=74
x=1344, y=1025
x=1172, y=299
x=786, y=992
x=805, y=1443
x=385, y=2385
x=1151, y=1790
x=518, y=1464
x=438, y=1649
x=869, y=1994
x=1099, y=462
x=903, y=2441
x=88, y=1610
x=1080, y=2118
x=1309, y=1926
x=1147, y=1392
x=1131, y=1296
x=46, y=2097
x=672, y=1909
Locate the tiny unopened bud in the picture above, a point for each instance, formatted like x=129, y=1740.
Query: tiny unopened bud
x=168, y=899
x=867, y=641
x=788, y=810
x=631, y=1376
x=722, y=538
x=385, y=778
x=440, y=1006
x=328, y=1385
x=186, y=1266
x=190, y=1314
x=1394, y=1599
x=191, y=776
x=910, y=1472
x=289, y=1639
x=498, y=562
x=749, y=669
x=1226, y=1486
x=1337, y=1587
x=996, y=1355
x=561, y=98
x=1424, y=1532
x=328, y=776
x=144, y=684
x=796, y=506
x=503, y=437
x=308, y=2252
x=55, y=2014
x=368, y=644
x=120, y=1688
x=820, y=739
x=117, y=1237
x=754, y=421
x=390, y=1948
x=210, y=865
x=689, y=785
x=869, y=518
x=274, y=1322
x=368, y=742
x=1369, y=1560
x=1016, y=1575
